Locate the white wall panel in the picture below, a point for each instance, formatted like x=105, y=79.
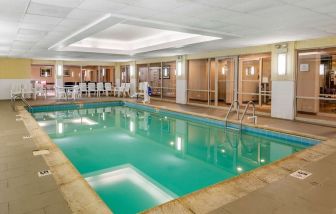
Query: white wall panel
x=283, y=99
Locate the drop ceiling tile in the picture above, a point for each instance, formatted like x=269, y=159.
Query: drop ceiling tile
x=102, y=5
x=37, y=19
x=24, y=31
x=137, y=12
x=194, y=9
x=22, y=44
x=14, y=6
x=36, y=26
x=10, y=16
x=254, y=5
x=162, y=5
x=30, y=38
x=62, y=3
x=83, y=14
x=48, y=10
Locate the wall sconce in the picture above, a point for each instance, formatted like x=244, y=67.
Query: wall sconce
x=179, y=68
x=322, y=69
x=282, y=64
x=103, y=72
x=250, y=71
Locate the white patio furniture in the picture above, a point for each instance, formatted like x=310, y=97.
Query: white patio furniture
x=60, y=93
x=40, y=90
x=27, y=89
x=127, y=90
x=73, y=92
x=92, y=88
x=83, y=88
x=118, y=91
x=100, y=88
x=108, y=88
x=16, y=90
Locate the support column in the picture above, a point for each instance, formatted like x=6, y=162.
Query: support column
x=283, y=85
x=181, y=80
x=133, y=78
x=117, y=75
x=59, y=74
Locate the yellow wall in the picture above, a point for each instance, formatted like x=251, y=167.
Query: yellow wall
x=12, y=68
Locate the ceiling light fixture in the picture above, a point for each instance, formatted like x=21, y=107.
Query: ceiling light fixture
x=103, y=18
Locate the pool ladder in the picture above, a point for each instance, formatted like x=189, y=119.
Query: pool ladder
x=254, y=117
x=17, y=96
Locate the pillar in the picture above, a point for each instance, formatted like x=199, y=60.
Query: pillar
x=181, y=80
x=283, y=85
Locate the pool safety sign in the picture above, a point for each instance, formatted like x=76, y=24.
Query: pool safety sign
x=301, y=174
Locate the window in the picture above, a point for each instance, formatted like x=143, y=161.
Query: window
x=316, y=84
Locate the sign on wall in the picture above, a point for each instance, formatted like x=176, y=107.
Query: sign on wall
x=304, y=67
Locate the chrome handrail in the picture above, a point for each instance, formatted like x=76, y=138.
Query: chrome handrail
x=245, y=110
x=231, y=106
x=13, y=100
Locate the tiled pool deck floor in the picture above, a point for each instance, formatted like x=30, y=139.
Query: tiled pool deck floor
x=268, y=189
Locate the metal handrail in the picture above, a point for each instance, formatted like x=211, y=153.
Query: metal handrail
x=245, y=110
x=231, y=106
x=13, y=99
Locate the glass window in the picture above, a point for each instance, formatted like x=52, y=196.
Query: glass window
x=169, y=80
x=198, y=81
x=90, y=73
x=255, y=80
x=225, y=81
x=154, y=79
x=125, y=74
x=106, y=74
x=316, y=84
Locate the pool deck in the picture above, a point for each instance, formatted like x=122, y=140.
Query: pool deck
x=269, y=189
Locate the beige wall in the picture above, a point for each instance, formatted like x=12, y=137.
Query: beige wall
x=74, y=72
x=12, y=68
x=198, y=79
x=35, y=73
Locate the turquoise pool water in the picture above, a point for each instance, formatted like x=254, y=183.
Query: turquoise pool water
x=137, y=159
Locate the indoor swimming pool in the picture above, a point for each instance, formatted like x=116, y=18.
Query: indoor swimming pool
x=136, y=157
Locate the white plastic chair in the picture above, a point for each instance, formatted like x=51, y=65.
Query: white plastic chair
x=108, y=88
x=119, y=90
x=127, y=90
x=83, y=88
x=74, y=93
x=60, y=93
x=100, y=88
x=39, y=90
x=27, y=89
x=92, y=88
x=16, y=89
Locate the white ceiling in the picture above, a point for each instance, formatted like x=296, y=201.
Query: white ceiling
x=30, y=27
x=128, y=40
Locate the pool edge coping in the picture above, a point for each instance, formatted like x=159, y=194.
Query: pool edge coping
x=69, y=181
x=228, y=189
